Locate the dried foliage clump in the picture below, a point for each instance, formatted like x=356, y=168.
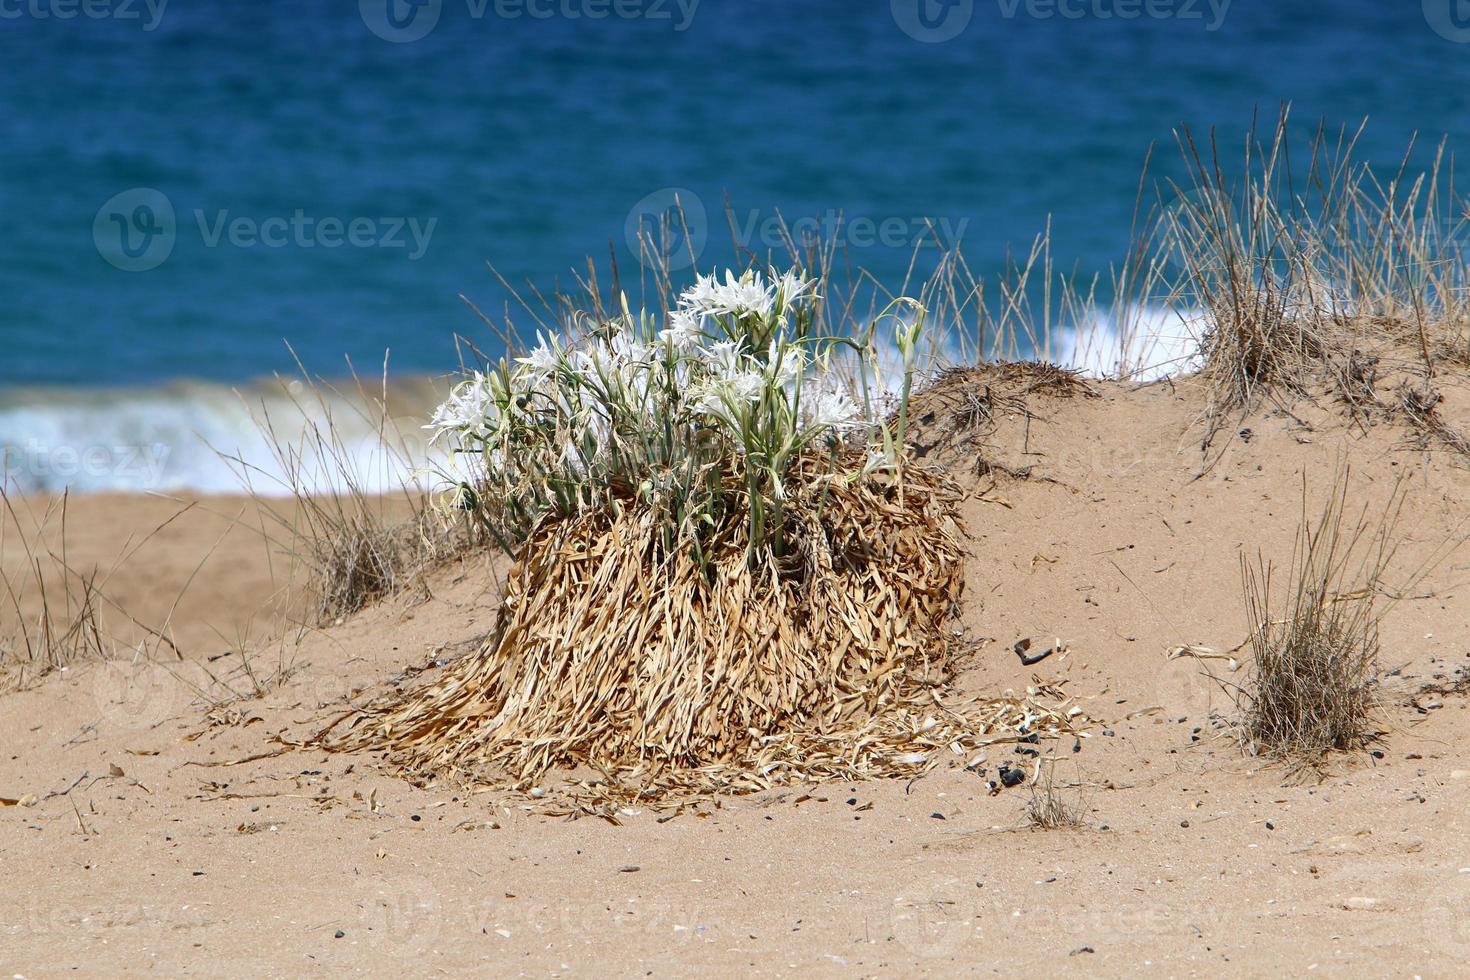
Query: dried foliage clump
x=1050, y=808
x=962, y=407
x=670, y=675
x=1313, y=689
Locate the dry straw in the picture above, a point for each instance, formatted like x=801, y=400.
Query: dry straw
x=667, y=677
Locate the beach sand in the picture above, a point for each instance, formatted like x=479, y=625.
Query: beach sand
x=158, y=843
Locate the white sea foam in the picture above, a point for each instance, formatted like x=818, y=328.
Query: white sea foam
x=1135, y=343
x=203, y=438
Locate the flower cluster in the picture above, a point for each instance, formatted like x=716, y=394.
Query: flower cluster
x=732, y=382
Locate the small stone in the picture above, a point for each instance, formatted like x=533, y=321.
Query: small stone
x=628, y=869
x=1184, y=823
x=1082, y=949
x=339, y=934
x=1270, y=825
x=936, y=816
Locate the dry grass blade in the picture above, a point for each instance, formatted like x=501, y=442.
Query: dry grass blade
x=671, y=675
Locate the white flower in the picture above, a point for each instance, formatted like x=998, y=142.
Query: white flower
x=746, y=386
x=722, y=358
x=877, y=462
x=470, y=406
x=747, y=296
x=790, y=286
x=543, y=358
x=790, y=363
x=684, y=331
x=829, y=408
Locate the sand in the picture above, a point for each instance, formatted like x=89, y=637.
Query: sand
x=157, y=843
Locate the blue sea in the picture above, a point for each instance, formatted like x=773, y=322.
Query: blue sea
x=190, y=185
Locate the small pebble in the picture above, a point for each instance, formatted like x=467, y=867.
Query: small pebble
x=936, y=816
x=340, y=934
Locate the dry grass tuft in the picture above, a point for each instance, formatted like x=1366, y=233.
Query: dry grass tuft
x=361, y=523
x=54, y=612
x=56, y=615
x=1299, y=270
x=1049, y=807
x=673, y=675
x=358, y=552
x=1314, y=687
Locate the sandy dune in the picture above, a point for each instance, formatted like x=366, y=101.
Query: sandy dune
x=158, y=844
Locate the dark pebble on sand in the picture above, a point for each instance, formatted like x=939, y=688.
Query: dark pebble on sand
x=936, y=816
x=339, y=934
x=415, y=818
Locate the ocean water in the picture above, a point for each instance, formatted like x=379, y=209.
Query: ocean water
x=189, y=185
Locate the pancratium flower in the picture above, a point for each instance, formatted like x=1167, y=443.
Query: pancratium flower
x=730, y=384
